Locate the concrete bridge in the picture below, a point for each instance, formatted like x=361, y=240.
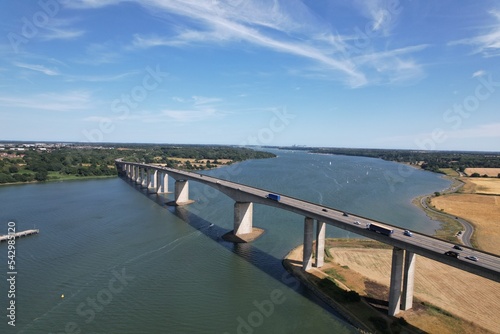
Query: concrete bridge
x=405, y=248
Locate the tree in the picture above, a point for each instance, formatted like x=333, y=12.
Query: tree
x=475, y=175
x=13, y=169
x=41, y=175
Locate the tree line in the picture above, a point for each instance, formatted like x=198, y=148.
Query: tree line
x=91, y=161
x=428, y=160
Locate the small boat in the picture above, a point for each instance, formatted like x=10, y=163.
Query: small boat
x=210, y=225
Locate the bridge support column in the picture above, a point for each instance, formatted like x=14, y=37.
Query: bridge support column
x=132, y=173
x=152, y=174
x=308, y=243
x=127, y=170
x=181, y=193
x=144, y=178
x=396, y=281
x=320, y=243
x=408, y=281
x=243, y=218
x=162, y=182
x=138, y=178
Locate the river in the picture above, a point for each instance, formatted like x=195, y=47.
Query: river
x=111, y=258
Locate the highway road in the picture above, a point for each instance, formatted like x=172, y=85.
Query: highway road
x=488, y=265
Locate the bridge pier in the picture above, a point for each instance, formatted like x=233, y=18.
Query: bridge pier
x=152, y=179
x=162, y=183
x=320, y=244
x=132, y=173
x=243, y=231
x=138, y=178
x=144, y=178
x=396, y=281
x=308, y=243
x=243, y=217
x=126, y=168
x=408, y=281
x=181, y=194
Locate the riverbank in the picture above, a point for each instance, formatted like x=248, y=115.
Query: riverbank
x=478, y=202
x=363, y=266
x=60, y=179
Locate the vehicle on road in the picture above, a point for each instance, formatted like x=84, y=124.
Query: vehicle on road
x=345, y=214
x=472, y=258
x=274, y=197
x=451, y=253
x=457, y=247
x=324, y=210
x=357, y=223
x=380, y=229
x=408, y=233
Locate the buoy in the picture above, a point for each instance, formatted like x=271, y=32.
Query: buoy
x=62, y=296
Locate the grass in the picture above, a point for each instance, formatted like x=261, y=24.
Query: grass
x=449, y=226
x=334, y=274
x=56, y=176
x=449, y=172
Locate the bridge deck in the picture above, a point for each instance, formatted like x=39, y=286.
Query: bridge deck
x=488, y=265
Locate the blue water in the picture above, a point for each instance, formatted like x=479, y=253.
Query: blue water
x=127, y=263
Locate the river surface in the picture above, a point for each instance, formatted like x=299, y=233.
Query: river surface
x=112, y=259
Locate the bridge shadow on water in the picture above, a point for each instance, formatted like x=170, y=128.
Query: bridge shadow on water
x=265, y=262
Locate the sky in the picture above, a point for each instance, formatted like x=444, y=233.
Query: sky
x=363, y=73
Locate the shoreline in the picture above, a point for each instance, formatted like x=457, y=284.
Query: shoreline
x=369, y=311
x=74, y=178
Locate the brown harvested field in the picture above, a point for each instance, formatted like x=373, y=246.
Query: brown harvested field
x=483, y=211
x=462, y=294
x=483, y=186
x=492, y=172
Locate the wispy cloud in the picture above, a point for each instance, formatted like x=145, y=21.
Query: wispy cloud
x=98, y=54
x=61, y=101
x=479, y=73
x=101, y=78
x=38, y=68
x=86, y=4
x=194, y=109
x=382, y=14
x=487, y=43
x=290, y=28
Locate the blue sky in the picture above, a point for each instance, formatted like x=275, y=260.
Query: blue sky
x=361, y=73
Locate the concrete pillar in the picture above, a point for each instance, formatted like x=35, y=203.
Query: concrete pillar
x=144, y=178
x=138, y=179
x=152, y=178
x=396, y=281
x=243, y=217
x=408, y=281
x=181, y=191
x=162, y=182
x=137, y=175
x=320, y=243
x=132, y=172
x=308, y=243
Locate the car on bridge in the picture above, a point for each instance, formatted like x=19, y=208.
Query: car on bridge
x=472, y=258
x=458, y=247
x=408, y=233
x=451, y=253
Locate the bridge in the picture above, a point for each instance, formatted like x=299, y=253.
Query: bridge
x=405, y=248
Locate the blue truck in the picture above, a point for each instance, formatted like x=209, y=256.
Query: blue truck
x=274, y=197
x=380, y=229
